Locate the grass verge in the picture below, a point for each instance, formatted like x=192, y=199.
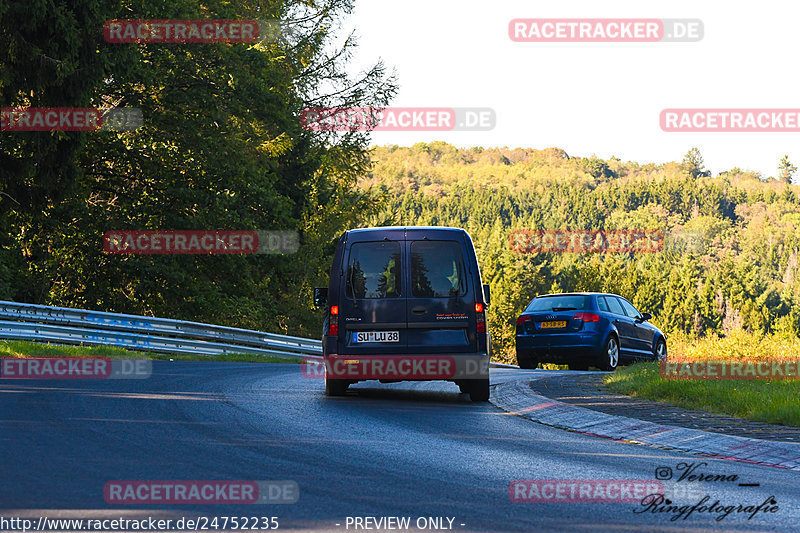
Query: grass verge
x=774, y=401
x=9, y=348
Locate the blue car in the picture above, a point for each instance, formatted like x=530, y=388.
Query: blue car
x=586, y=328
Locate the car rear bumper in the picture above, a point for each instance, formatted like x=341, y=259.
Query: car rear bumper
x=554, y=347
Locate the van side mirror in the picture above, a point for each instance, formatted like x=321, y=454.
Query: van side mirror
x=320, y=296
x=646, y=316
x=487, y=295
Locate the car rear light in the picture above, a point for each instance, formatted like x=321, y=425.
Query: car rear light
x=333, y=324
x=481, y=318
x=586, y=317
x=524, y=324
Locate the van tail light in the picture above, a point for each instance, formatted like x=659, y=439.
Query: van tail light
x=586, y=317
x=480, y=315
x=333, y=323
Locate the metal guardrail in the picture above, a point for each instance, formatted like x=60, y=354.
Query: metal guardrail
x=66, y=325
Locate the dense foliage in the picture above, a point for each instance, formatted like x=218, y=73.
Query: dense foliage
x=730, y=259
x=221, y=148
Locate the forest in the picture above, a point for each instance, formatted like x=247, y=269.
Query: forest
x=730, y=254
x=222, y=147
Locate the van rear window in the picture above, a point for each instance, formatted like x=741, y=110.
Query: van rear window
x=374, y=270
x=437, y=269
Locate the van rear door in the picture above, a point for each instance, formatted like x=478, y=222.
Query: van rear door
x=372, y=313
x=441, y=295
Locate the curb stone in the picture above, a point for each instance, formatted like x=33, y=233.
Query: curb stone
x=517, y=397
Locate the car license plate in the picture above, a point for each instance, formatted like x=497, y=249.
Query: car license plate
x=556, y=324
x=376, y=336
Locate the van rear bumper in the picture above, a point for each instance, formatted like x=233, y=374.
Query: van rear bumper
x=417, y=367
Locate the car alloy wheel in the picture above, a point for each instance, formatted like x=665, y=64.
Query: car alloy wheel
x=661, y=351
x=610, y=356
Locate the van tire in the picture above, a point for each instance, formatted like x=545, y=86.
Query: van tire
x=479, y=390
x=335, y=387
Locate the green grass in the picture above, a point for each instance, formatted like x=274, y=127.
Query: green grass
x=10, y=348
x=774, y=402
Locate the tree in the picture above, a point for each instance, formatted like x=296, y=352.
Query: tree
x=222, y=147
x=693, y=163
x=598, y=168
x=786, y=170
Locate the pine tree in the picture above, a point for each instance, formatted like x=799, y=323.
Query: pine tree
x=693, y=163
x=786, y=170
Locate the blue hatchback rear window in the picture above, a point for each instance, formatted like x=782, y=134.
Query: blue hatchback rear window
x=567, y=302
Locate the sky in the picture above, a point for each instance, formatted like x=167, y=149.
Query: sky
x=590, y=98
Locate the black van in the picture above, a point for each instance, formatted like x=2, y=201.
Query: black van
x=405, y=304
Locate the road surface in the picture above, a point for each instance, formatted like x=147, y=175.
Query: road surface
x=416, y=450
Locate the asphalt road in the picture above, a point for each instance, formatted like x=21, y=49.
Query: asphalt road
x=406, y=450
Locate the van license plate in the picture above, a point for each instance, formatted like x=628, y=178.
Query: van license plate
x=376, y=336
x=556, y=324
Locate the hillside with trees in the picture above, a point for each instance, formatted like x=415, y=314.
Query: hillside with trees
x=730, y=258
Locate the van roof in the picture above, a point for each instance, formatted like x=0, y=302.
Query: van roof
x=394, y=229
